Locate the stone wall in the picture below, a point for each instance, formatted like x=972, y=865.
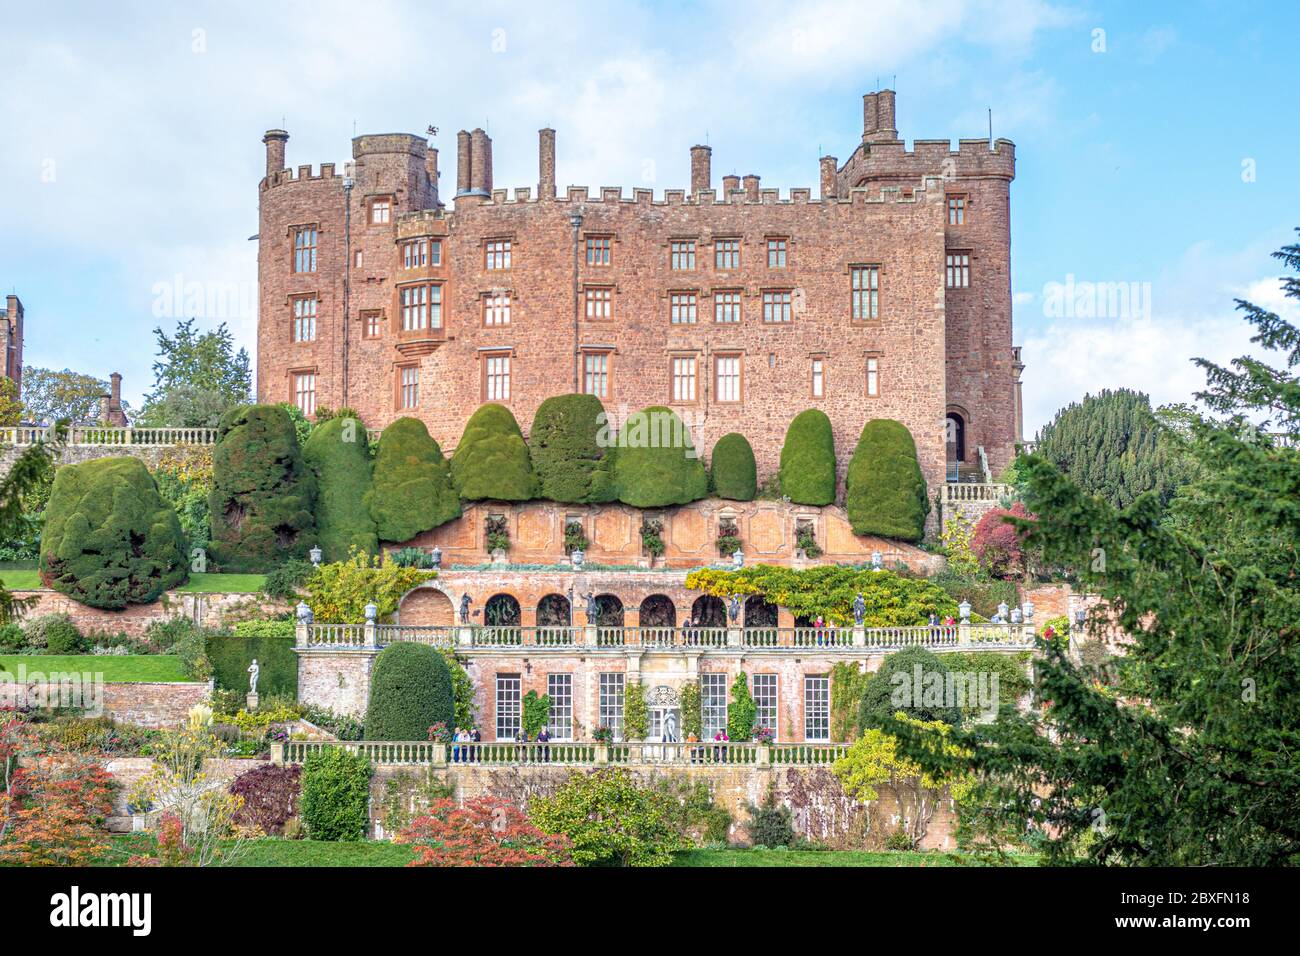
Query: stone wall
x=143, y=704
x=78, y=454
x=209, y=610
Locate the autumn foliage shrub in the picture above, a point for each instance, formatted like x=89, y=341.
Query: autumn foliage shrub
x=998, y=545
x=271, y=796
x=486, y=831
x=54, y=811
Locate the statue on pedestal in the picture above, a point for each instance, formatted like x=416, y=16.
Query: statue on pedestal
x=593, y=608
x=254, y=671
x=859, y=609
x=464, y=608
x=733, y=611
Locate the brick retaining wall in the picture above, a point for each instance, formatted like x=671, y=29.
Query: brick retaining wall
x=210, y=610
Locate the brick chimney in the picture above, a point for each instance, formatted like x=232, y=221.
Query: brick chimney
x=12, y=339
x=751, y=188
x=829, y=165
x=480, y=163
x=463, y=163
x=431, y=167
x=275, y=140
x=701, y=172
x=546, y=163
x=730, y=184
x=111, y=404
x=878, y=117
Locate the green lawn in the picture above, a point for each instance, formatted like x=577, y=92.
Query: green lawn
x=21, y=580
x=132, y=668
x=224, y=583
x=830, y=858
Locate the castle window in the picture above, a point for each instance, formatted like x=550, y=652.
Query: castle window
x=777, y=306
x=865, y=293
x=598, y=250
x=304, y=249
x=408, y=387
x=683, y=307
x=726, y=254
x=415, y=253
x=713, y=704
x=958, y=270
x=304, y=392
x=421, y=307
x=727, y=370
x=304, y=319
x=726, y=306
x=381, y=211
x=496, y=377
x=559, y=687
x=496, y=254
x=509, y=706
x=372, y=324
x=682, y=255
x=776, y=249
x=817, y=708
x=496, y=308
x=595, y=374
x=956, y=210
x=765, y=709
x=599, y=302
x=818, y=377
x=684, y=379
x=359, y=258
x=873, y=376
x=611, y=703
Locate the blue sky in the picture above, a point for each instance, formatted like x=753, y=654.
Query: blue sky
x=1162, y=152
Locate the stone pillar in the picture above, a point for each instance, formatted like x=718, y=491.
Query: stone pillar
x=963, y=634
x=701, y=171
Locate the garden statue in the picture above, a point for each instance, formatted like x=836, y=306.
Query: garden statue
x=464, y=608
x=734, y=610
x=253, y=672
x=670, y=727
x=593, y=608
x=859, y=609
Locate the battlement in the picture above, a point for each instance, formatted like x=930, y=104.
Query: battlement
x=379, y=143
x=302, y=174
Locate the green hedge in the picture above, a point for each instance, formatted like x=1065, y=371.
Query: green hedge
x=411, y=489
x=338, y=454
x=734, y=474
x=885, y=490
x=410, y=691
x=808, y=459
x=263, y=495
x=571, y=463
x=492, y=461
x=656, y=463
x=270, y=642
x=336, y=795
x=879, y=702
x=109, y=538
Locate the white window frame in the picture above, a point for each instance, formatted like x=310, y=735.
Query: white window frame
x=611, y=700
x=410, y=387
x=767, y=702
x=728, y=379
x=509, y=705
x=595, y=374
x=816, y=708
x=496, y=308
x=305, y=310
x=496, y=380
x=304, y=392
x=713, y=704
x=559, y=720
x=685, y=373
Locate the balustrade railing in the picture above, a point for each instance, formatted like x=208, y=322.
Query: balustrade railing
x=972, y=491
x=96, y=436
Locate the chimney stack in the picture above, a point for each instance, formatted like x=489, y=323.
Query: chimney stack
x=463, y=162
x=105, y=415
x=730, y=184
x=546, y=163
x=751, y=188
x=829, y=166
x=275, y=140
x=878, y=117
x=431, y=167
x=701, y=173
x=480, y=163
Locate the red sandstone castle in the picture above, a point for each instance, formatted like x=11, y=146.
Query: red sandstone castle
x=887, y=296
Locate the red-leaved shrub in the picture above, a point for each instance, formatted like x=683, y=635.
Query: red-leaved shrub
x=997, y=545
x=270, y=795
x=487, y=831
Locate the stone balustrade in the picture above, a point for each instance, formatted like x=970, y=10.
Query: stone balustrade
x=955, y=492
x=87, y=436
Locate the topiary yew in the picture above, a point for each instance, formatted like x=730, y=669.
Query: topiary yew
x=411, y=488
x=734, y=473
x=896, y=685
x=656, y=463
x=263, y=494
x=885, y=491
x=109, y=539
x=572, y=464
x=338, y=454
x=492, y=460
x=808, y=459
x=410, y=691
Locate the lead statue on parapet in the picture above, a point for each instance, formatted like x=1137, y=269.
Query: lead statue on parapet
x=593, y=608
x=464, y=608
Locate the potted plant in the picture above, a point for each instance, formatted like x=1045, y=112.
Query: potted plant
x=603, y=734
x=764, y=735
x=652, y=540
x=497, y=537
x=728, y=538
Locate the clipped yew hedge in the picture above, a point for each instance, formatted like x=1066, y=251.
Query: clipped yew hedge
x=807, y=472
x=410, y=488
x=572, y=464
x=270, y=643
x=656, y=463
x=734, y=473
x=410, y=691
x=886, y=493
x=897, y=673
x=492, y=460
x=263, y=494
x=109, y=538
x=338, y=454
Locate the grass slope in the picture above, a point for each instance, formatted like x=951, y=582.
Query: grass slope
x=129, y=668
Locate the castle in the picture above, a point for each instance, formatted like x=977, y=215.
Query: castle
x=11, y=340
x=886, y=296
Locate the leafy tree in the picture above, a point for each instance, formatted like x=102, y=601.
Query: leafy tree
x=198, y=376
x=51, y=396
x=411, y=490
x=263, y=494
x=896, y=686
x=336, y=795
x=54, y=808
x=491, y=461
x=537, y=711
x=1112, y=445
x=734, y=474
x=486, y=831
x=1196, y=761
x=656, y=463
x=636, y=712
x=410, y=691
x=571, y=463
x=885, y=491
x=608, y=819
x=998, y=545
x=338, y=593
x=11, y=406
x=742, y=712
x=338, y=454
x=184, y=478
x=109, y=538
x=808, y=459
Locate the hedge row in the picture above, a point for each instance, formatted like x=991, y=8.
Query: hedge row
x=270, y=642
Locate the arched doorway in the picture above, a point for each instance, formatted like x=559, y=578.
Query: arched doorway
x=955, y=440
x=758, y=613
x=554, y=611
x=609, y=611
x=501, y=610
x=709, y=611
x=658, y=611
x=426, y=607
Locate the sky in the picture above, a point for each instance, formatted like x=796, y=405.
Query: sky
x=1156, y=143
